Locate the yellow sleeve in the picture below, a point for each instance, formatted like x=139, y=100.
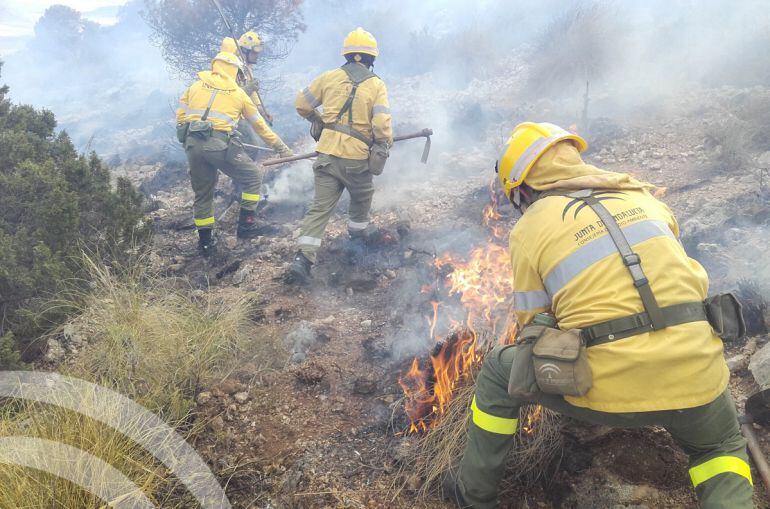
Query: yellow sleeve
x=529, y=296
x=309, y=98
x=251, y=113
x=671, y=220
x=381, y=119
x=182, y=109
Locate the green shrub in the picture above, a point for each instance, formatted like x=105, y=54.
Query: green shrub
x=54, y=203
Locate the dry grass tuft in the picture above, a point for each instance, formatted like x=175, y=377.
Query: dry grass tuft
x=155, y=344
x=150, y=341
x=537, y=443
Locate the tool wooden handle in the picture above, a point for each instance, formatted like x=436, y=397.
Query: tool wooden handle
x=756, y=454
x=425, y=133
x=281, y=160
x=420, y=134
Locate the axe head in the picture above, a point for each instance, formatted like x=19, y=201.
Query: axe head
x=426, y=149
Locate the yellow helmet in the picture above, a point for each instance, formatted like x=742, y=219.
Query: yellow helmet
x=529, y=141
x=251, y=41
x=360, y=41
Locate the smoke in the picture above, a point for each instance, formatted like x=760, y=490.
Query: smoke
x=106, y=84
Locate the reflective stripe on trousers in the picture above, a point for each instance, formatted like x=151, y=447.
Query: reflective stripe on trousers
x=309, y=241
x=206, y=221
x=720, y=465
x=492, y=423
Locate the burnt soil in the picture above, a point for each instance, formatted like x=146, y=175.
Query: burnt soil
x=323, y=422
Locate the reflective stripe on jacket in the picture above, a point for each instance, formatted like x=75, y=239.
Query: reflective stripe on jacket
x=371, y=112
x=564, y=261
x=230, y=104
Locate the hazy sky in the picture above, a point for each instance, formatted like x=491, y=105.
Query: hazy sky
x=18, y=17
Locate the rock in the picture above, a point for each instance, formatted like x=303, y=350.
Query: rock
x=366, y=324
x=621, y=151
x=349, y=291
x=217, y=424
x=230, y=241
x=364, y=386
x=298, y=357
x=54, y=351
x=390, y=274
x=241, y=397
x=71, y=335
x=328, y=320
x=737, y=362
x=203, y=398
x=764, y=159
x=230, y=386
x=241, y=274
x=760, y=366
x=655, y=165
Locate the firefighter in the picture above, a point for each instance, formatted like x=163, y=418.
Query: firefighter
x=208, y=112
x=250, y=44
x=354, y=121
x=568, y=268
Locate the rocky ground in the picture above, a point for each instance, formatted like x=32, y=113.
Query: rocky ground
x=318, y=421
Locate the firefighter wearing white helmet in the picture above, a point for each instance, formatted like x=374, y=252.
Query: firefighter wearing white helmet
x=615, y=328
x=354, y=134
x=208, y=112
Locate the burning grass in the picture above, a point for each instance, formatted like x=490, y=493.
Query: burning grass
x=440, y=448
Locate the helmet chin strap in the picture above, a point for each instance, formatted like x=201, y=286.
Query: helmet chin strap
x=522, y=198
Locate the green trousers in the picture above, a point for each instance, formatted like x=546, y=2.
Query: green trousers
x=206, y=157
x=332, y=176
x=709, y=434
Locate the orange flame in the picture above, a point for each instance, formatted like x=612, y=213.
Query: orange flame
x=484, y=284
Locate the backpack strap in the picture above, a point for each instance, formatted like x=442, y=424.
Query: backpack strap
x=357, y=75
x=653, y=317
x=208, y=106
x=631, y=260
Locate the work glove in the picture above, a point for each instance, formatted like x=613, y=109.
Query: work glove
x=251, y=86
x=283, y=151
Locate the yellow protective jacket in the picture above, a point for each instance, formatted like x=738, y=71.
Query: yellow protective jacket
x=371, y=112
x=564, y=261
x=230, y=104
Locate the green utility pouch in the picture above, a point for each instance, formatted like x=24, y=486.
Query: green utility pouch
x=181, y=132
x=200, y=129
x=203, y=128
x=378, y=156
x=561, y=364
x=521, y=383
x=235, y=152
x=725, y=314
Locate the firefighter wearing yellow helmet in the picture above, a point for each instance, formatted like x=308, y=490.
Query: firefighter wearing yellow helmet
x=354, y=134
x=208, y=112
x=615, y=329
x=250, y=46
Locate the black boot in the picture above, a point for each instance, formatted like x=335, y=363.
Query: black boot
x=207, y=244
x=248, y=227
x=299, y=271
x=451, y=491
